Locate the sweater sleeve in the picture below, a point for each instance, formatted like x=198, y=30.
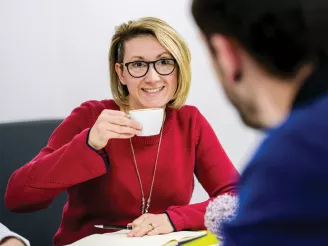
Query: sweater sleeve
x=214, y=171
x=67, y=160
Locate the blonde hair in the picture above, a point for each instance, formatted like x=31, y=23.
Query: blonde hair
x=167, y=37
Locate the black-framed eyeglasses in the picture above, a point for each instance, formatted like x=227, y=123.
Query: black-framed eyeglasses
x=163, y=66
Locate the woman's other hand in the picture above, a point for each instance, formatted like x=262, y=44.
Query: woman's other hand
x=151, y=224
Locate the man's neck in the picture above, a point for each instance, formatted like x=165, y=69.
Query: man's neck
x=276, y=96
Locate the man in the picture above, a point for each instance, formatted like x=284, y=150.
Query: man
x=9, y=238
x=271, y=59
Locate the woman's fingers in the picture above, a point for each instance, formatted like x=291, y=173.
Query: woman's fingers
x=123, y=129
x=111, y=135
x=141, y=230
x=113, y=113
x=157, y=231
x=124, y=121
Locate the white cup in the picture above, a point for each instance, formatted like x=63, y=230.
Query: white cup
x=151, y=120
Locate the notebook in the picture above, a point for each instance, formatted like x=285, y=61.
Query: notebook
x=120, y=238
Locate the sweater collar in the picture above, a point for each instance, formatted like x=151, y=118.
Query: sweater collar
x=314, y=87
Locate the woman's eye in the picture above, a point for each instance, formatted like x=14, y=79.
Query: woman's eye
x=138, y=64
x=165, y=62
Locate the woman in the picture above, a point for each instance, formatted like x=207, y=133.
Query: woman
x=114, y=176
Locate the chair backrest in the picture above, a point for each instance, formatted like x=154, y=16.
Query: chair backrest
x=19, y=143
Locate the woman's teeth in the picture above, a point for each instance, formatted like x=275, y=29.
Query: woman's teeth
x=153, y=90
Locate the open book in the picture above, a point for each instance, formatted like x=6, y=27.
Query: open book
x=120, y=238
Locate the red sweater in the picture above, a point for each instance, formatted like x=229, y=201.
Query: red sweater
x=100, y=195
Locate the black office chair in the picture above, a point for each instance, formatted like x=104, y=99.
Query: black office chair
x=19, y=143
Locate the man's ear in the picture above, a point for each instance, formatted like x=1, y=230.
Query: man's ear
x=226, y=53
x=119, y=72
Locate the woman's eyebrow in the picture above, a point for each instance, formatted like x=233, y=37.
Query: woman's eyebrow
x=137, y=57
x=143, y=59
x=158, y=56
x=164, y=53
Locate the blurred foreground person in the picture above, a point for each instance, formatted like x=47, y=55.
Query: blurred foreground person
x=271, y=59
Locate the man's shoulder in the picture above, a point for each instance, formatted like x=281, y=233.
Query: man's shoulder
x=309, y=119
x=285, y=182
x=298, y=145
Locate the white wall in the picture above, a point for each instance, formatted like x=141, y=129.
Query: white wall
x=53, y=56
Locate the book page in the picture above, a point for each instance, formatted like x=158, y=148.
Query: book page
x=120, y=238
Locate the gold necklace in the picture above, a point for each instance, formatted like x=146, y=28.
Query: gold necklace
x=144, y=208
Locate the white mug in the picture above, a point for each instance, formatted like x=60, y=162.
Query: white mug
x=151, y=120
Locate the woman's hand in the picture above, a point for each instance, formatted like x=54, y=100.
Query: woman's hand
x=151, y=224
x=112, y=124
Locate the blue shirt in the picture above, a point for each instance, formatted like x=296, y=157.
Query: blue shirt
x=284, y=188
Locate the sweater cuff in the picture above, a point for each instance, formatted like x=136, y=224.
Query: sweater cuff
x=176, y=220
x=88, y=155
x=102, y=152
x=219, y=211
x=168, y=216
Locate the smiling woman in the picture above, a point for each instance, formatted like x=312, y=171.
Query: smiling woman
x=149, y=56
x=150, y=78
x=113, y=175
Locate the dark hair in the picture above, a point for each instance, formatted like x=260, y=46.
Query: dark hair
x=281, y=35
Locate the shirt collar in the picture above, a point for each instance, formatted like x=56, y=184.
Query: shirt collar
x=314, y=87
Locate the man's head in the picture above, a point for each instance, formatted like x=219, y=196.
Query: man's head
x=262, y=50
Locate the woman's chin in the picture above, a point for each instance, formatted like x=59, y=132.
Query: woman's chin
x=154, y=105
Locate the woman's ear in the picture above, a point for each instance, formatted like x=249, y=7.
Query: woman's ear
x=119, y=72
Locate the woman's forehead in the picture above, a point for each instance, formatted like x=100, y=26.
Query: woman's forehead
x=144, y=47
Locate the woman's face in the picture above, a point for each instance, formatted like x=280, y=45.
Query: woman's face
x=152, y=90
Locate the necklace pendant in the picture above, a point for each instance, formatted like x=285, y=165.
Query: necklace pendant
x=148, y=204
x=143, y=206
